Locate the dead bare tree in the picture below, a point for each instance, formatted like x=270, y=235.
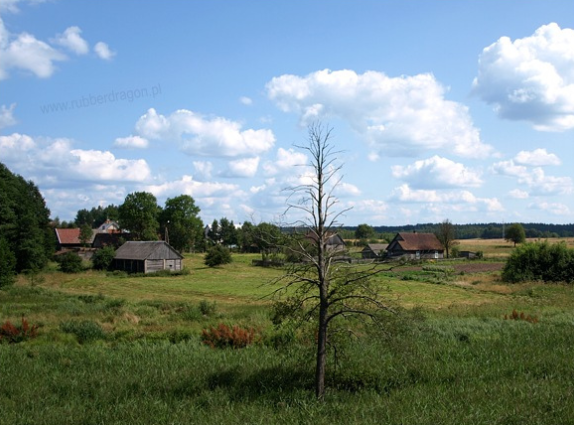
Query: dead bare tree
x=446, y=234
x=323, y=285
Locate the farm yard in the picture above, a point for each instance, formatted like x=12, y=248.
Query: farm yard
x=462, y=347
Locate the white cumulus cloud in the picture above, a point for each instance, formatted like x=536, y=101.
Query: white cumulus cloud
x=398, y=116
x=285, y=160
x=531, y=78
x=7, y=116
x=245, y=167
x=437, y=172
x=537, y=158
x=131, y=142
x=535, y=179
x=72, y=40
x=104, y=51
x=198, y=135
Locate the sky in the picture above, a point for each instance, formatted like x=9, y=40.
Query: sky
x=439, y=109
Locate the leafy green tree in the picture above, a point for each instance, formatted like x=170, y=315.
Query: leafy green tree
x=180, y=217
x=515, y=233
x=364, y=231
x=103, y=258
x=228, y=232
x=217, y=255
x=268, y=239
x=7, y=264
x=245, y=236
x=214, y=232
x=24, y=221
x=86, y=233
x=139, y=214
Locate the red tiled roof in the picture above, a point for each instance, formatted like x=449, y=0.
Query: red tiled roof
x=70, y=236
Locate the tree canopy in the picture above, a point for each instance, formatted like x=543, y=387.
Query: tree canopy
x=24, y=222
x=180, y=217
x=139, y=214
x=515, y=233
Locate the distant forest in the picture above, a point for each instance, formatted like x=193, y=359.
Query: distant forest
x=470, y=231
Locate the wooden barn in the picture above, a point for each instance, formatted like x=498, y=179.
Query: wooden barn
x=373, y=251
x=415, y=246
x=147, y=257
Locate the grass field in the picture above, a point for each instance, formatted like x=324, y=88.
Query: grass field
x=127, y=350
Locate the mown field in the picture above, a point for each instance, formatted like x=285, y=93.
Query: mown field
x=127, y=350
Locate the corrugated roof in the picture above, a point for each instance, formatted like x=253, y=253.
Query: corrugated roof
x=146, y=250
x=418, y=242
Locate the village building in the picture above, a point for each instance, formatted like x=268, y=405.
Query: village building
x=147, y=257
x=415, y=246
x=373, y=251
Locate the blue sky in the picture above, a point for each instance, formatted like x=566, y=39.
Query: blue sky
x=459, y=110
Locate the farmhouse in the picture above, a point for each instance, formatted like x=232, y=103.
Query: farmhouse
x=415, y=246
x=334, y=243
x=147, y=257
x=373, y=250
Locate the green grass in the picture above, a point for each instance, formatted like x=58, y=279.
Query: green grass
x=127, y=351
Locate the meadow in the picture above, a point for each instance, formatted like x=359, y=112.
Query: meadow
x=112, y=349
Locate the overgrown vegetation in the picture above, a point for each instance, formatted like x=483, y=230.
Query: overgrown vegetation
x=540, y=261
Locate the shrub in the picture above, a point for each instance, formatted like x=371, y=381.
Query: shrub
x=521, y=316
x=85, y=330
x=217, y=255
x=206, y=308
x=70, y=262
x=223, y=336
x=13, y=334
x=540, y=261
x=103, y=258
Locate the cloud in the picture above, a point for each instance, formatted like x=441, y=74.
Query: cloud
x=131, y=142
x=72, y=40
x=535, y=179
x=285, y=160
x=531, y=79
x=246, y=167
x=56, y=163
x=400, y=116
x=404, y=193
x=203, y=169
x=437, y=172
x=103, y=51
x=519, y=194
x=198, y=135
x=7, y=116
x=552, y=208
x=246, y=100
x=188, y=186
x=27, y=53
x=537, y=158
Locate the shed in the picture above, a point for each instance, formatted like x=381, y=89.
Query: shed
x=147, y=257
x=373, y=250
x=415, y=246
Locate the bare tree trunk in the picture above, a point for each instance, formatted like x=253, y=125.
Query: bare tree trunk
x=321, y=350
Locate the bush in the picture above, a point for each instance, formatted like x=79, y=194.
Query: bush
x=206, y=308
x=223, y=336
x=70, y=262
x=13, y=334
x=217, y=255
x=103, y=258
x=85, y=330
x=540, y=261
